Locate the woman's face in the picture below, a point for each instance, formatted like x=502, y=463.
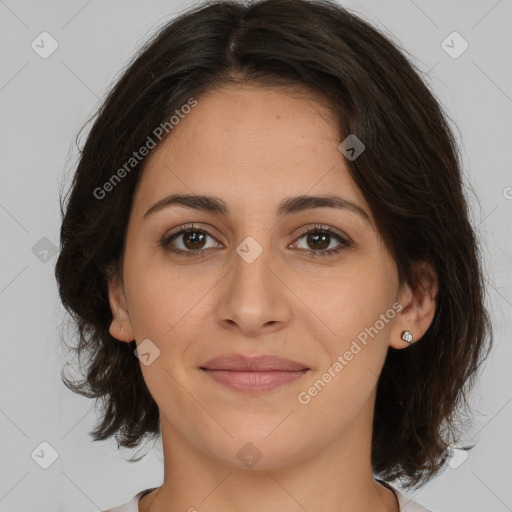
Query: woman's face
x=262, y=286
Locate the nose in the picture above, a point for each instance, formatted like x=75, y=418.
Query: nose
x=253, y=298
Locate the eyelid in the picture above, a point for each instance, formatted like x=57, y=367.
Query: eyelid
x=344, y=240
x=324, y=228
x=302, y=232
x=190, y=226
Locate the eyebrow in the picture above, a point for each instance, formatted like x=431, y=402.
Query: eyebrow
x=286, y=207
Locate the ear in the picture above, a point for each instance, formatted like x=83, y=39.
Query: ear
x=120, y=327
x=418, y=306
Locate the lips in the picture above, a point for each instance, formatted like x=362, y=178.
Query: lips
x=263, y=363
x=253, y=374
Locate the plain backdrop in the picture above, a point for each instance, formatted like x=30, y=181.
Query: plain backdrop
x=45, y=101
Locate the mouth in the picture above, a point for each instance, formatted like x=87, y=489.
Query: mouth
x=253, y=375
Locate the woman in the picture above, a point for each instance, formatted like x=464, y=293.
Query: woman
x=267, y=251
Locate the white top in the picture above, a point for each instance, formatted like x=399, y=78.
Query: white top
x=406, y=505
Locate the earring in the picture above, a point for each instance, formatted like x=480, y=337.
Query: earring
x=407, y=336
x=120, y=326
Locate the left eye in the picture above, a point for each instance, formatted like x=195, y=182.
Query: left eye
x=322, y=239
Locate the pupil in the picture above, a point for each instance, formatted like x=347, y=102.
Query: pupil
x=193, y=239
x=313, y=238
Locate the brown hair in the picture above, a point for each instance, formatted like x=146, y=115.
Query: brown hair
x=409, y=173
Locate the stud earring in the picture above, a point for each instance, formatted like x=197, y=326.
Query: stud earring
x=407, y=336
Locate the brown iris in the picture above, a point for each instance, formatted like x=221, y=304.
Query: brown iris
x=315, y=239
x=193, y=240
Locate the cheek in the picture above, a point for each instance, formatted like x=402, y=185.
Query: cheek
x=166, y=305
x=361, y=319
x=358, y=312
x=155, y=295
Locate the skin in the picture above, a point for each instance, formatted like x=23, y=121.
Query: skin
x=252, y=147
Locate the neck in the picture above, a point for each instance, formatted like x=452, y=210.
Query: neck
x=335, y=476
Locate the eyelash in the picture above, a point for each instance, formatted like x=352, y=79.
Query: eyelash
x=316, y=229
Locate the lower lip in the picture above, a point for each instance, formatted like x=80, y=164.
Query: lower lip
x=254, y=382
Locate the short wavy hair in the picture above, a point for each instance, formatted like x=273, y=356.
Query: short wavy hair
x=410, y=175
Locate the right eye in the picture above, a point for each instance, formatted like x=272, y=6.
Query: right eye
x=192, y=240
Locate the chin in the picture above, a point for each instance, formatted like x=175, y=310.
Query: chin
x=256, y=452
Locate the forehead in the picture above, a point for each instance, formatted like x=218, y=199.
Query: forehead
x=253, y=145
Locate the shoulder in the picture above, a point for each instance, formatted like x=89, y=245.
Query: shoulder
x=132, y=505
x=409, y=505
x=406, y=504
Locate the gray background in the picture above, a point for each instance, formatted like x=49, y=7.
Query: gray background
x=44, y=103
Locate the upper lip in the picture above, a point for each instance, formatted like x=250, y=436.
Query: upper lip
x=262, y=363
